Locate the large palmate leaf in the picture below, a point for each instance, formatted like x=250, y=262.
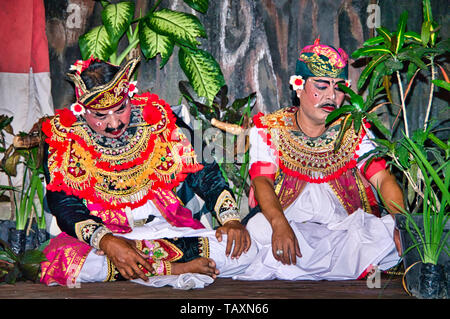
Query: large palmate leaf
x=153, y=43
x=203, y=72
x=96, y=43
x=199, y=5
x=181, y=27
x=117, y=18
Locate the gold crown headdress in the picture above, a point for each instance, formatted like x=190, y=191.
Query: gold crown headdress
x=105, y=96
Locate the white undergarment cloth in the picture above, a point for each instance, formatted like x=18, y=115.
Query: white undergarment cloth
x=95, y=267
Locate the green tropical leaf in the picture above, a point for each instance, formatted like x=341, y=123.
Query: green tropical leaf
x=373, y=41
x=338, y=113
x=370, y=51
x=203, y=72
x=412, y=68
x=369, y=68
x=413, y=36
x=356, y=100
x=357, y=120
x=442, y=84
x=401, y=31
x=427, y=167
x=376, y=80
x=393, y=66
x=181, y=27
x=9, y=254
x=386, y=34
x=96, y=42
x=346, y=124
x=403, y=156
x=153, y=43
x=412, y=56
x=434, y=32
x=373, y=118
x=117, y=18
x=427, y=14
x=425, y=34
x=390, y=146
x=198, y=5
x=6, y=257
x=32, y=257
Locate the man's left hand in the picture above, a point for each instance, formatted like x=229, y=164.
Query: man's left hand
x=237, y=233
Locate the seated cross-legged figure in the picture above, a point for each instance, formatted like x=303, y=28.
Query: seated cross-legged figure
x=316, y=213
x=113, y=162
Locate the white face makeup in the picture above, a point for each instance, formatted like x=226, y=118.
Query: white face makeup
x=327, y=92
x=110, y=123
x=319, y=97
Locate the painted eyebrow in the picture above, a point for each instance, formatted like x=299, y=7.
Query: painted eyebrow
x=328, y=82
x=120, y=109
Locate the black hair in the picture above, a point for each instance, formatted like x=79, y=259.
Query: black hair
x=98, y=73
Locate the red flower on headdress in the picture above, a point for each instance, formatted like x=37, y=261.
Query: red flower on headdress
x=297, y=82
x=77, y=109
x=66, y=117
x=132, y=88
x=151, y=114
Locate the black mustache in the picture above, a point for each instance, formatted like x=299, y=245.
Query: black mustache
x=110, y=129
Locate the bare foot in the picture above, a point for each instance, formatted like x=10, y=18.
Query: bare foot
x=201, y=265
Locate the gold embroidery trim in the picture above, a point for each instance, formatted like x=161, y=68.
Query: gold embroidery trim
x=85, y=229
x=297, y=155
x=204, y=247
x=226, y=208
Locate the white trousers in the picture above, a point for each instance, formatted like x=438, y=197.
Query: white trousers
x=333, y=244
x=95, y=267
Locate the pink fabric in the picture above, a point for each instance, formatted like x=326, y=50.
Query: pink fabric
x=172, y=210
x=66, y=256
x=115, y=219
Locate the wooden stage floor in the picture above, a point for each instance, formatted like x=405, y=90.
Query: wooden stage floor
x=223, y=288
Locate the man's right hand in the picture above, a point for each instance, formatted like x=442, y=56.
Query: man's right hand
x=125, y=256
x=285, y=241
x=283, y=237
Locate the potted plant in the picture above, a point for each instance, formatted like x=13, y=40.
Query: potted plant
x=427, y=232
x=15, y=267
x=420, y=157
x=27, y=199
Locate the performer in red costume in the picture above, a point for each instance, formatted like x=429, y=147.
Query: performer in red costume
x=113, y=162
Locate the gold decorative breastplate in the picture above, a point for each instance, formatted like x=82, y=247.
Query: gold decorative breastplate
x=311, y=159
x=151, y=157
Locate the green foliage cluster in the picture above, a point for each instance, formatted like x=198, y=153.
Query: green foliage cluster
x=157, y=33
x=421, y=157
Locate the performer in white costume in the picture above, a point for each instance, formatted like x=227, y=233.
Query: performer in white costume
x=319, y=218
